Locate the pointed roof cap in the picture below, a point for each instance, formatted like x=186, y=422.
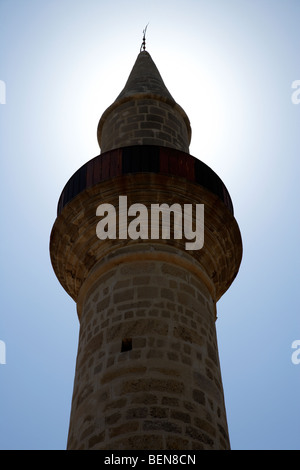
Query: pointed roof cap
x=145, y=78
x=144, y=82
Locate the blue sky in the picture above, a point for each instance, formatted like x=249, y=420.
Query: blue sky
x=231, y=66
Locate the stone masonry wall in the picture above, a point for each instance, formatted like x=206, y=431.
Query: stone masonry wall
x=144, y=122
x=147, y=373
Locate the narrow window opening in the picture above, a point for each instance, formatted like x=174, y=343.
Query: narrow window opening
x=126, y=344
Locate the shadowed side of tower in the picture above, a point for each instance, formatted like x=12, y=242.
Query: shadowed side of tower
x=147, y=372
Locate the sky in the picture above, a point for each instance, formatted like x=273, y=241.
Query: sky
x=231, y=66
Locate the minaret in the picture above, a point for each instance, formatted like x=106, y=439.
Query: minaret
x=147, y=371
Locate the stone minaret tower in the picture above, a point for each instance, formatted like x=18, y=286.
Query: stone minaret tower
x=147, y=372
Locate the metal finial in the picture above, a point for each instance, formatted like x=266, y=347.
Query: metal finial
x=143, y=46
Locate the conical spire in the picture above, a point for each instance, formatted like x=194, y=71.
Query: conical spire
x=145, y=78
x=144, y=113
